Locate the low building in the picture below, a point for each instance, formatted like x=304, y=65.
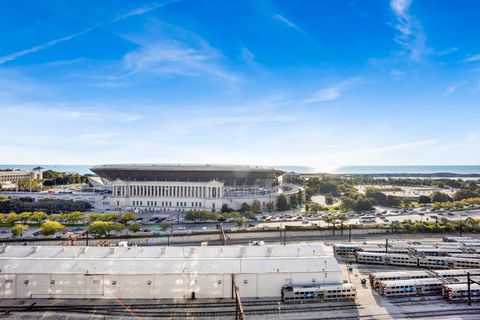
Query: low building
x=161, y=272
x=16, y=175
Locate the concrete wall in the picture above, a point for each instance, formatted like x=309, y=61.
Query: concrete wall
x=75, y=286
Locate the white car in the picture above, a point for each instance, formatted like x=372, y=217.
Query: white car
x=181, y=228
x=205, y=228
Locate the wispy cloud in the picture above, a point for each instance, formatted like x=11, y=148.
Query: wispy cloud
x=176, y=58
x=40, y=47
x=326, y=94
x=450, y=89
x=332, y=92
x=287, y=22
x=143, y=10
x=410, y=34
x=472, y=58
x=135, y=12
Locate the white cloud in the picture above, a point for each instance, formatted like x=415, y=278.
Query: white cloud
x=40, y=47
x=175, y=58
x=397, y=74
x=135, y=12
x=143, y=10
x=326, y=94
x=334, y=91
x=410, y=34
x=287, y=22
x=472, y=58
x=450, y=89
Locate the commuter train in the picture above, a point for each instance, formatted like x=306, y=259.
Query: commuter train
x=377, y=277
x=459, y=292
x=429, y=262
x=410, y=287
x=318, y=293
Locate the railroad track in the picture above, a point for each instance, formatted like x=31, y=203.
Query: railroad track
x=182, y=311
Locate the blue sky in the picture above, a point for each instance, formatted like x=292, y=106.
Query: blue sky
x=315, y=83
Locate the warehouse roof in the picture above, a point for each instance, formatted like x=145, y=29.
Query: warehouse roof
x=173, y=260
x=161, y=252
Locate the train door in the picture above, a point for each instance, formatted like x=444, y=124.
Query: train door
x=387, y=260
x=450, y=265
x=418, y=290
x=320, y=297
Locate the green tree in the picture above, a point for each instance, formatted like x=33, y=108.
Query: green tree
x=94, y=217
x=164, y=225
x=25, y=216
x=347, y=203
x=380, y=197
x=424, y=199
x=300, y=197
x=19, y=229
x=245, y=207
x=465, y=194
x=104, y=227
x=328, y=199
x=127, y=217
x=134, y=227
x=51, y=227
x=11, y=218
x=256, y=206
x=270, y=206
x=282, y=202
x=239, y=222
x=440, y=197
x=38, y=216
x=293, y=201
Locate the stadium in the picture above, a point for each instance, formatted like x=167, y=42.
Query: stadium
x=179, y=187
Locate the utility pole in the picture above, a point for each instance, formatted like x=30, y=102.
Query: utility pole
x=86, y=238
x=349, y=233
x=386, y=245
x=469, y=292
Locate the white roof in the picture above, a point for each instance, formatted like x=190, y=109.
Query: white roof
x=411, y=282
x=173, y=260
x=303, y=250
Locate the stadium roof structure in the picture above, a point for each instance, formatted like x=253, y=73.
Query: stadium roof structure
x=229, y=174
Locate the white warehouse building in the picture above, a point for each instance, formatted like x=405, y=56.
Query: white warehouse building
x=160, y=272
x=162, y=187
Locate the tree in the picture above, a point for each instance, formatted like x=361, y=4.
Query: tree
x=464, y=194
x=51, y=227
x=134, y=227
x=127, y=217
x=245, y=207
x=342, y=218
x=11, y=218
x=440, y=197
x=293, y=201
x=104, y=227
x=270, y=206
x=313, y=207
x=19, y=229
x=366, y=204
x=256, y=206
x=282, y=203
x=347, y=203
x=239, y=222
x=300, y=196
x=393, y=201
x=38, y=216
x=424, y=199
x=328, y=199
x=25, y=216
x=380, y=197
x=225, y=208
x=164, y=225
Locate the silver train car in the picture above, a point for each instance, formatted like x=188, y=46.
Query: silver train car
x=318, y=293
x=411, y=287
x=459, y=292
x=377, y=277
x=428, y=262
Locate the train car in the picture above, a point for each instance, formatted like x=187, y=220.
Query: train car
x=343, y=249
x=318, y=293
x=431, y=262
x=410, y=287
x=437, y=251
x=459, y=263
x=377, y=277
x=459, y=292
x=397, y=259
x=456, y=273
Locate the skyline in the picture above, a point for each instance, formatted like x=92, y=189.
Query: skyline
x=307, y=83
